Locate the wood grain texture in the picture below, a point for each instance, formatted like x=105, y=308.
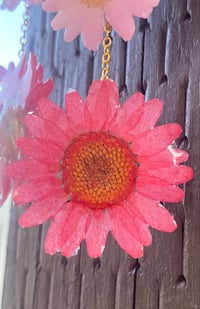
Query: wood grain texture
x=162, y=60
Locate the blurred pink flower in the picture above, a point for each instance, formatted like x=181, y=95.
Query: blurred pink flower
x=12, y=4
x=99, y=167
x=89, y=16
x=20, y=89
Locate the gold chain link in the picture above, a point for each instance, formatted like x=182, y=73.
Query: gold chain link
x=24, y=29
x=107, y=42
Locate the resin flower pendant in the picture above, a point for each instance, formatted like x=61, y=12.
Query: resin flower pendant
x=88, y=17
x=97, y=167
x=20, y=89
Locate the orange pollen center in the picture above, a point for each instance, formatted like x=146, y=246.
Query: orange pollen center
x=94, y=3
x=99, y=170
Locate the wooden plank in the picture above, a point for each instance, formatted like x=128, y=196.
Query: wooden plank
x=162, y=60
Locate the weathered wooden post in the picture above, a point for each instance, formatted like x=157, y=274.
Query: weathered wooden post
x=162, y=60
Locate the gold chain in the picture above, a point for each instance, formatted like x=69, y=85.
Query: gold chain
x=24, y=29
x=107, y=41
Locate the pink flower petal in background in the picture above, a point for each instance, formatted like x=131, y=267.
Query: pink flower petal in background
x=21, y=88
x=12, y=4
x=81, y=16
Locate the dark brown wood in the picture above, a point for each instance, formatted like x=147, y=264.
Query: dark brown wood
x=162, y=60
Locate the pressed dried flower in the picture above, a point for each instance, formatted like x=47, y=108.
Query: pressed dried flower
x=89, y=16
x=99, y=167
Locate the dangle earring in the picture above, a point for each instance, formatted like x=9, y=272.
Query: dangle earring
x=98, y=166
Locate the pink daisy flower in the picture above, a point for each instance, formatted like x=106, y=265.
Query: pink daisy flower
x=89, y=16
x=99, y=167
x=20, y=88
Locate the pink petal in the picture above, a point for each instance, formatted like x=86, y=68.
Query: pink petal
x=141, y=8
x=40, y=150
x=54, y=238
x=67, y=230
x=77, y=113
x=46, y=130
x=30, y=169
x=54, y=113
x=152, y=112
x=71, y=20
x=95, y=21
x=64, y=18
x=74, y=230
x=165, y=158
x=96, y=233
x=52, y=6
x=179, y=155
x=132, y=224
x=71, y=31
x=73, y=102
x=152, y=212
x=115, y=12
x=161, y=159
x=38, y=87
x=42, y=210
x=102, y=100
x=126, y=241
x=155, y=140
x=77, y=17
x=143, y=230
x=173, y=174
x=158, y=189
x=128, y=114
x=35, y=190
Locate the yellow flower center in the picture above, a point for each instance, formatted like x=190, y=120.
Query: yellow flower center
x=98, y=170
x=94, y=3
